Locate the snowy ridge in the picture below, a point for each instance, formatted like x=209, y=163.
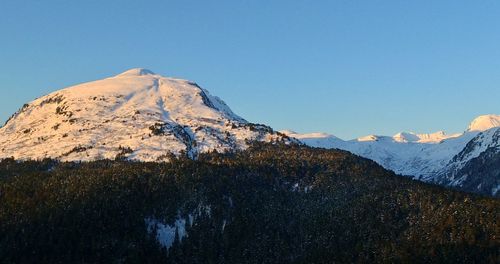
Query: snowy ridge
x=423, y=138
x=407, y=137
x=134, y=115
x=482, y=148
x=479, y=144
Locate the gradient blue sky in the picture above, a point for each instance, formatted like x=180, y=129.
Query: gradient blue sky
x=350, y=68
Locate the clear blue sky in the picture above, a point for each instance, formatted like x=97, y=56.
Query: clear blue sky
x=349, y=68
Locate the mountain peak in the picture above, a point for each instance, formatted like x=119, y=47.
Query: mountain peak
x=313, y=135
x=484, y=122
x=136, y=72
x=368, y=138
x=406, y=137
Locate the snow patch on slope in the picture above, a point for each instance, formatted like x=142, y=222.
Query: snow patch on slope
x=495, y=190
x=165, y=234
x=423, y=138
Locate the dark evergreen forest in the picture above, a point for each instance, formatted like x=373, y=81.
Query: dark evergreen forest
x=272, y=203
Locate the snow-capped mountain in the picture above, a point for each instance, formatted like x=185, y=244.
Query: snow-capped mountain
x=136, y=114
x=427, y=157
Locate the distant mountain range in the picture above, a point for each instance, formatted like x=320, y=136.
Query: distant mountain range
x=452, y=160
x=140, y=115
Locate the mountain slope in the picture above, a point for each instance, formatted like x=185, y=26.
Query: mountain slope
x=477, y=166
x=136, y=115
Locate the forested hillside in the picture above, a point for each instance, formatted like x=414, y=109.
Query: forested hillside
x=272, y=203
